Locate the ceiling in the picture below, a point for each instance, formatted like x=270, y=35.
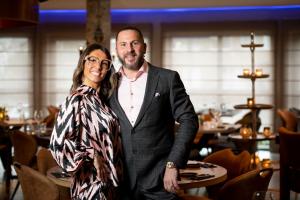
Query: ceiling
x=154, y=4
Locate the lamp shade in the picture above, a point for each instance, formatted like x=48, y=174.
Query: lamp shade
x=16, y=13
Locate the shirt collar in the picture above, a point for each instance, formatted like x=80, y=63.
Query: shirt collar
x=143, y=69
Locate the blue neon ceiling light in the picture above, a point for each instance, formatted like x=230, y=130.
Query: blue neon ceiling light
x=174, y=10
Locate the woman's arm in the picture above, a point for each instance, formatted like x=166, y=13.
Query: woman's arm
x=67, y=143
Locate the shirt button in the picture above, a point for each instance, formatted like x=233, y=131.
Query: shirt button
x=131, y=107
x=131, y=93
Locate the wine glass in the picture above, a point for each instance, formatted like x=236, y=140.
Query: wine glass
x=38, y=116
x=20, y=110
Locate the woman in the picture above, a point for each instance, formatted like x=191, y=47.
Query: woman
x=85, y=141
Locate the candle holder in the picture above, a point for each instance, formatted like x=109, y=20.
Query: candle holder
x=266, y=163
x=267, y=132
x=250, y=102
x=255, y=160
x=258, y=72
x=246, y=72
x=245, y=132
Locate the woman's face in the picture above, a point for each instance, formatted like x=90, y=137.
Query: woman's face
x=96, y=66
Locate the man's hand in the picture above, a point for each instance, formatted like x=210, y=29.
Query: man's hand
x=170, y=180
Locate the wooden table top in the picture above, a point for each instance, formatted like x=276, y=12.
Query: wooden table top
x=16, y=122
x=219, y=175
x=259, y=137
x=226, y=128
x=62, y=181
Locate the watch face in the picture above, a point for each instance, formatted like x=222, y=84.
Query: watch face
x=170, y=165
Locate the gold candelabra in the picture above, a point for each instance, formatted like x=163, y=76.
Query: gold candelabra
x=254, y=74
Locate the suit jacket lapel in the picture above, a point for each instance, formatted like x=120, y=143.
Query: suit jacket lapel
x=151, y=85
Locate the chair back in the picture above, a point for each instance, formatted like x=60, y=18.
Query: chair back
x=245, y=185
x=35, y=186
x=45, y=160
x=288, y=119
x=234, y=164
x=289, y=162
x=50, y=119
x=247, y=120
x=25, y=148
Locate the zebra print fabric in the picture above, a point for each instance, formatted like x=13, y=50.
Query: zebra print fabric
x=86, y=126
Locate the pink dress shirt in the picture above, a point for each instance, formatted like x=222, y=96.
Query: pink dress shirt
x=131, y=92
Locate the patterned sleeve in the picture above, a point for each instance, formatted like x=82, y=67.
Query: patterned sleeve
x=67, y=145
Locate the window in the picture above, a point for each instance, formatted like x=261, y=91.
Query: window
x=292, y=63
x=60, y=58
x=16, y=73
x=209, y=63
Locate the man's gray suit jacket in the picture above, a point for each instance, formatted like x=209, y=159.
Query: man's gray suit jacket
x=151, y=141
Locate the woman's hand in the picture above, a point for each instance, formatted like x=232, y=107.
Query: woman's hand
x=101, y=168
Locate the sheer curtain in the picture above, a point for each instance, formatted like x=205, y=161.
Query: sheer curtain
x=60, y=58
x=16, y=73
x=209, y=63
x=292, y=73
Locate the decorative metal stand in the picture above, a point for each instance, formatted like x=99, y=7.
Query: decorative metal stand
x=253, y=75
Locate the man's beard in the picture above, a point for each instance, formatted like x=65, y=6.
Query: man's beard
x=133, y=66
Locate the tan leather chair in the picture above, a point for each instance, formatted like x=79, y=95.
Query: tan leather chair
x=25, y=148
x=45, y=160
x=50, y=119
x=289, y=162
x=35, y=186
x=235, y=165
x=243, y=187
x=288, y=119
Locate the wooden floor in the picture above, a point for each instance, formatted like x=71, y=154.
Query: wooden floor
x=274, y=184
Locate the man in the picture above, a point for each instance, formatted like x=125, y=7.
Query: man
x=148, y=101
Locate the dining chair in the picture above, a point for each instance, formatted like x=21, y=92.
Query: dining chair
x=243, y=187
x=25, y=148
x=45, y=161
x=50, y=119
x=288, y=119
x=35, y=185
x=246, y=120
x=289, y=162
x=234, y=164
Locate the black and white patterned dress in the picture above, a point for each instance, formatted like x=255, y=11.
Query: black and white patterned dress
x=86, y=126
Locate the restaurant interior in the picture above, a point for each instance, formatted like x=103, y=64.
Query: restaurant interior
x=239, y=62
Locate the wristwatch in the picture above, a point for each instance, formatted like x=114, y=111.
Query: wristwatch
x=170, y=165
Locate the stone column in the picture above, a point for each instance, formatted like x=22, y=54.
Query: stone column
x=98, y=22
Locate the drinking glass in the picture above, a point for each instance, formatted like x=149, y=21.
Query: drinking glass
x=20, y=110
x=38, y=116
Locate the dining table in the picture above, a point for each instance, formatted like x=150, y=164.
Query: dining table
x=197, y=174
x=223, y=129
x=249, y=144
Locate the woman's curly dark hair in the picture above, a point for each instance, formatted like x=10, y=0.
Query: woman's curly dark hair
x=108, y=84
